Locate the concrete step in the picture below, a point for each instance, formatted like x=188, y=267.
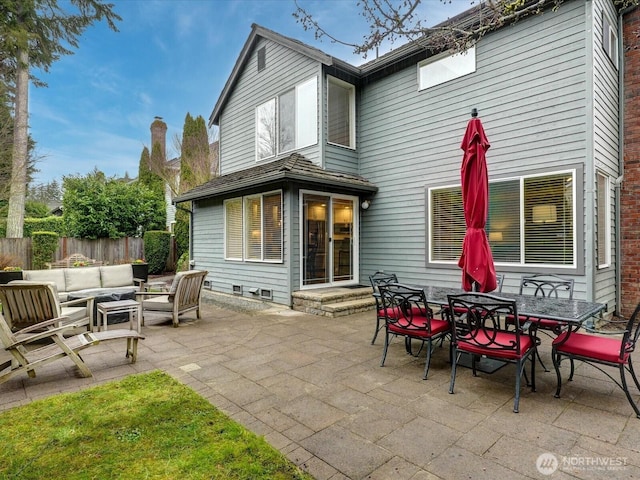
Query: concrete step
x=334, y=301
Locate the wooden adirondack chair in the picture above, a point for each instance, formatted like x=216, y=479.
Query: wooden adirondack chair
x=43, y=340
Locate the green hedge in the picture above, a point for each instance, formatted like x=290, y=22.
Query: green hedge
x=44, y=245
x=156, y=250
x=46, y=224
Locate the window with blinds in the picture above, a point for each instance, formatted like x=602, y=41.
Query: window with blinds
x=530, y=221
x=253, y=228
x=603, y=220
x=233, y=229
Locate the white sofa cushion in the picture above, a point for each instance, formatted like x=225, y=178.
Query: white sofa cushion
x=81, y=278
x=117, y=275
x=55, y=275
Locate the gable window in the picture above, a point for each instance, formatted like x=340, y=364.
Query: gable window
x=531, y=221
x=262, y=58
x=603, y=220
x=445, y=69
x=341, y=113
x=253, y=228
x=609, y=40
x=288, y=121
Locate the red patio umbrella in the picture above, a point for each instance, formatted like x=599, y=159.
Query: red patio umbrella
x=476, y=261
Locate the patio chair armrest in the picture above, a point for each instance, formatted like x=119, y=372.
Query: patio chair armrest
x=40, y=335
x=151, y=294
x=39, y=325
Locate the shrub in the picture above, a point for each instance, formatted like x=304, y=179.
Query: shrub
x=156, y=250
x=44, y=245
x=8, y=261
x=183, y=263
x=46, y=224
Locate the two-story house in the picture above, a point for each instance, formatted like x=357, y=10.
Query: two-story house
x=330, y=171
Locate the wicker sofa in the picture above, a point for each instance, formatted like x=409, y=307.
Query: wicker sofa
x=85, y=279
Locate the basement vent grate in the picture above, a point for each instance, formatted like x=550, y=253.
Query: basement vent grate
x=237, y=289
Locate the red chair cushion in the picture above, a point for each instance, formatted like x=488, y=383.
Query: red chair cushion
x=596, y=347
x=418, y=327
x=482, y=344
x=395, y=312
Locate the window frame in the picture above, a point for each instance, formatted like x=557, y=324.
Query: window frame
x=603, y=192
x=442, y=65
x=577, y=263
x=609, y=39
x=248, y=229
x=351, y=89
x=304, y=122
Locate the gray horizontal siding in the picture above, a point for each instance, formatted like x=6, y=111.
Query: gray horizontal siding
x=530, y=88
x=284, y=69
x=605, y=141
x=208, y=244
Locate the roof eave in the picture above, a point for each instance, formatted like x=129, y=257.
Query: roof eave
x=273, y=178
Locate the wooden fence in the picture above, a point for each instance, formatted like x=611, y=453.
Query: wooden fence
x=109, y=251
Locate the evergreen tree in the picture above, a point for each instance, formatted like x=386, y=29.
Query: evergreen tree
x=35, y=33
x=148, y=178
x=195, y=169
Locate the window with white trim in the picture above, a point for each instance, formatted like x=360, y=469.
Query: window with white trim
x=531, y=221
x=444, y=69
x=603, y=220
x=288, y=121
x=253, y=228
x=341, y=113
x=609, y=39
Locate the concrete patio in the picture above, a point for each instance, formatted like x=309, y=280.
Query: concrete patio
x=313, y=387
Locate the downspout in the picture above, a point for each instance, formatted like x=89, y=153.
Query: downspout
x=619, y=180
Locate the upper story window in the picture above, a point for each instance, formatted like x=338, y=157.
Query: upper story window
x=253, y=228
x=341, y=113
x=444, y=69
x=531, y=221
x=289, y=121
x=609, y=40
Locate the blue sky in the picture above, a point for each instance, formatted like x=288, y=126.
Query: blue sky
x=170, y=57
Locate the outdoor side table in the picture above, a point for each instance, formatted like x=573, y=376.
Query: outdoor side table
x=155, y=287
x=130, y=307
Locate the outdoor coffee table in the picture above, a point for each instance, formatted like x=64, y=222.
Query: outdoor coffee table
x=103, y=295
x=132, y=308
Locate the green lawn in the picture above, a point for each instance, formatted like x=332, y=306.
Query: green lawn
x=147, y=426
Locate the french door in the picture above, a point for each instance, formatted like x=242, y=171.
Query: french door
x=329, y=239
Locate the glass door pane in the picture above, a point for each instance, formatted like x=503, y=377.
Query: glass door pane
x=315, y=239
x=342, y=239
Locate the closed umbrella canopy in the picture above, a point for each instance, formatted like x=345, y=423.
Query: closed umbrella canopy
x=476, y=261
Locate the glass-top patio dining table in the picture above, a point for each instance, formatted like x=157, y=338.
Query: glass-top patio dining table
x=575, y=312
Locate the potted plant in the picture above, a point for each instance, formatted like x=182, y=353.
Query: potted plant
x=7, y=274
x=140, y=269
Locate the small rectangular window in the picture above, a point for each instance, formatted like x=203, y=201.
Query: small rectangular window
x=603, y=223
x=432, y=73
x=262, y=58
x=609, y=40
